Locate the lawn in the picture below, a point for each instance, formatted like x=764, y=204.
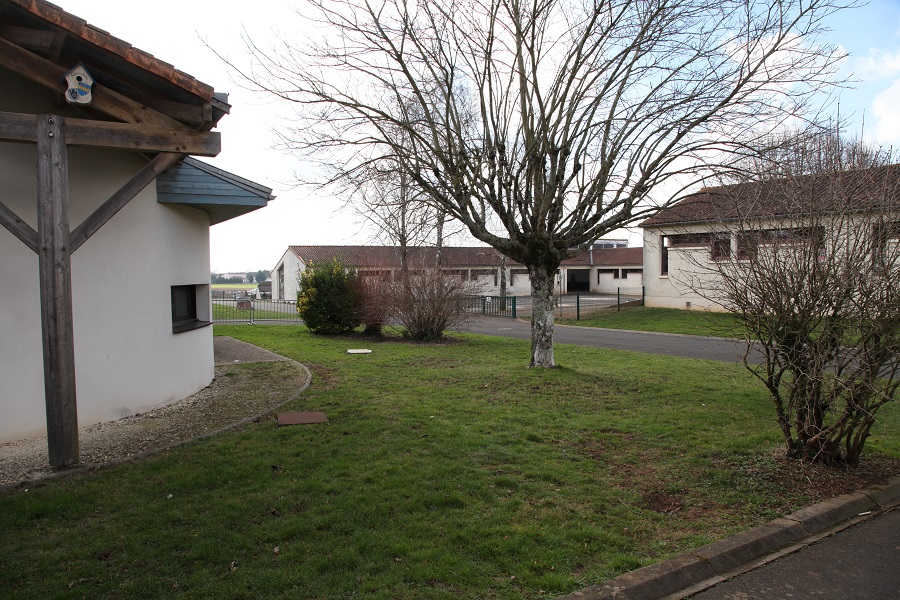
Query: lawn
x=664, y=320
x=444, y=471
x=233, y=286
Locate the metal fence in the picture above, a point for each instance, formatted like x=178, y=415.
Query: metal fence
x=251, y=310
x=572, y=306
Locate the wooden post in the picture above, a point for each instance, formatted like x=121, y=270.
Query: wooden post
x=56, y=292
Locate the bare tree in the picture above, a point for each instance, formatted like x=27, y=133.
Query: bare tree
x=542, y=125
x=811, y=268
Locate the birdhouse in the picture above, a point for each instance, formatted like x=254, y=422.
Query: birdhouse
x=79, y=85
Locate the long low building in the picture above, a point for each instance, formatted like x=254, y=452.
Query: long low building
x=597, y=270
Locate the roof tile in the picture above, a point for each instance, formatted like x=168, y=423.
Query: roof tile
x=867, y=189
x=98, y=37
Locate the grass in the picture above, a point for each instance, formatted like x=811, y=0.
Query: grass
x=663, y=320
x=233, y=286
x=444, y=471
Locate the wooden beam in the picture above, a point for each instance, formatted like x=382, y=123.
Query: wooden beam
x=20, y=127
x=117, y=201
x=56, y=292
x=39, y=39
x=18, y=227
x=50, y=75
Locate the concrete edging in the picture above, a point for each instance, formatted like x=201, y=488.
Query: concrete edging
x=698, y=569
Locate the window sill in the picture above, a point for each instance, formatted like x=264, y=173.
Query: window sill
x=189, y=325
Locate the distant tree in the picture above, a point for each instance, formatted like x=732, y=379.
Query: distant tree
x=814, y=281
x=541, y=125
x=251, y=276
x=262, y=275
x=327, y=300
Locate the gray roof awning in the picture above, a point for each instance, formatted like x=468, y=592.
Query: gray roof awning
x=222, y=194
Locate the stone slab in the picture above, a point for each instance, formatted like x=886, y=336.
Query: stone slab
x=301, y=418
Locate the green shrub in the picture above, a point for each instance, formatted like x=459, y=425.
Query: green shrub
x=327, y=300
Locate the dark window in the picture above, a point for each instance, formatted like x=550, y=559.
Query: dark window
x=184, y=309
x=664, y=242
x=721, y=247
x=280, y=276
x=885, y=240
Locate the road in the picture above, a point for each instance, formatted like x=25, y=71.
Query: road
x=861, y=562
x=687, y=346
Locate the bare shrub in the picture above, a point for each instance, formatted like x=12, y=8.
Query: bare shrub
x=428, y=301
x=374, y=300
x=813, y=276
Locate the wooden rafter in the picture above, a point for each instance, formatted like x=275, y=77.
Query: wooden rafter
x=50, y=75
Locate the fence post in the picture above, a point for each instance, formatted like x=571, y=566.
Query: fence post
x=513, y=307
x=642, y=295
x=483, y=305
x=251, y=312
x=577, y=306
x=618, y=299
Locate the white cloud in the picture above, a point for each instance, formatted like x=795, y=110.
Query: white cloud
x=878, y=64
x=887, y=116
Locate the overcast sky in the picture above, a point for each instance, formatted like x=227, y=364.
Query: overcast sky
x=175, y=31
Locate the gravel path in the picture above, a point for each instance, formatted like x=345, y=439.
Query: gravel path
x=249, y=382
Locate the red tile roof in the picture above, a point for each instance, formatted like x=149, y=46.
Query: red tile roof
x=461, y=257
x=866, y=189
x=60, y=19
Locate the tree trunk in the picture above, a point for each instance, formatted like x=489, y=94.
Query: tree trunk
x=541, y=317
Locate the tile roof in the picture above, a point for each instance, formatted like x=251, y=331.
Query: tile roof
x=867, y=189
x=79, y=28
x=462, y=257
x=389, y=256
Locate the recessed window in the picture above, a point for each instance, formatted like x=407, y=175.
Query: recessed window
x=184, y=309
x=665, y=241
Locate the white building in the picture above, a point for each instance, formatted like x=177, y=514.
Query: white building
x=683, y=243
x=140, y=283
x=598, y=270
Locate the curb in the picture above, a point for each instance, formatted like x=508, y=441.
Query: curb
x=698, y=569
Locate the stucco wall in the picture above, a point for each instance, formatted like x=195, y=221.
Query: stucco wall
x=675, y=290
x=127, y=359
x=292, y=268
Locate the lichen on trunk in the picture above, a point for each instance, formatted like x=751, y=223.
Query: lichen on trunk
x=541, y=317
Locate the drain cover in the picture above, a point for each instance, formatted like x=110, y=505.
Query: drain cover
x=301, y=418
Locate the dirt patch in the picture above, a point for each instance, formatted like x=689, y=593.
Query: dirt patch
x=238, y=392
x=662, y=502
x=815, y=482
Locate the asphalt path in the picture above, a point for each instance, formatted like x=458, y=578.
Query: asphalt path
x=667, y=344
x=861, y=562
